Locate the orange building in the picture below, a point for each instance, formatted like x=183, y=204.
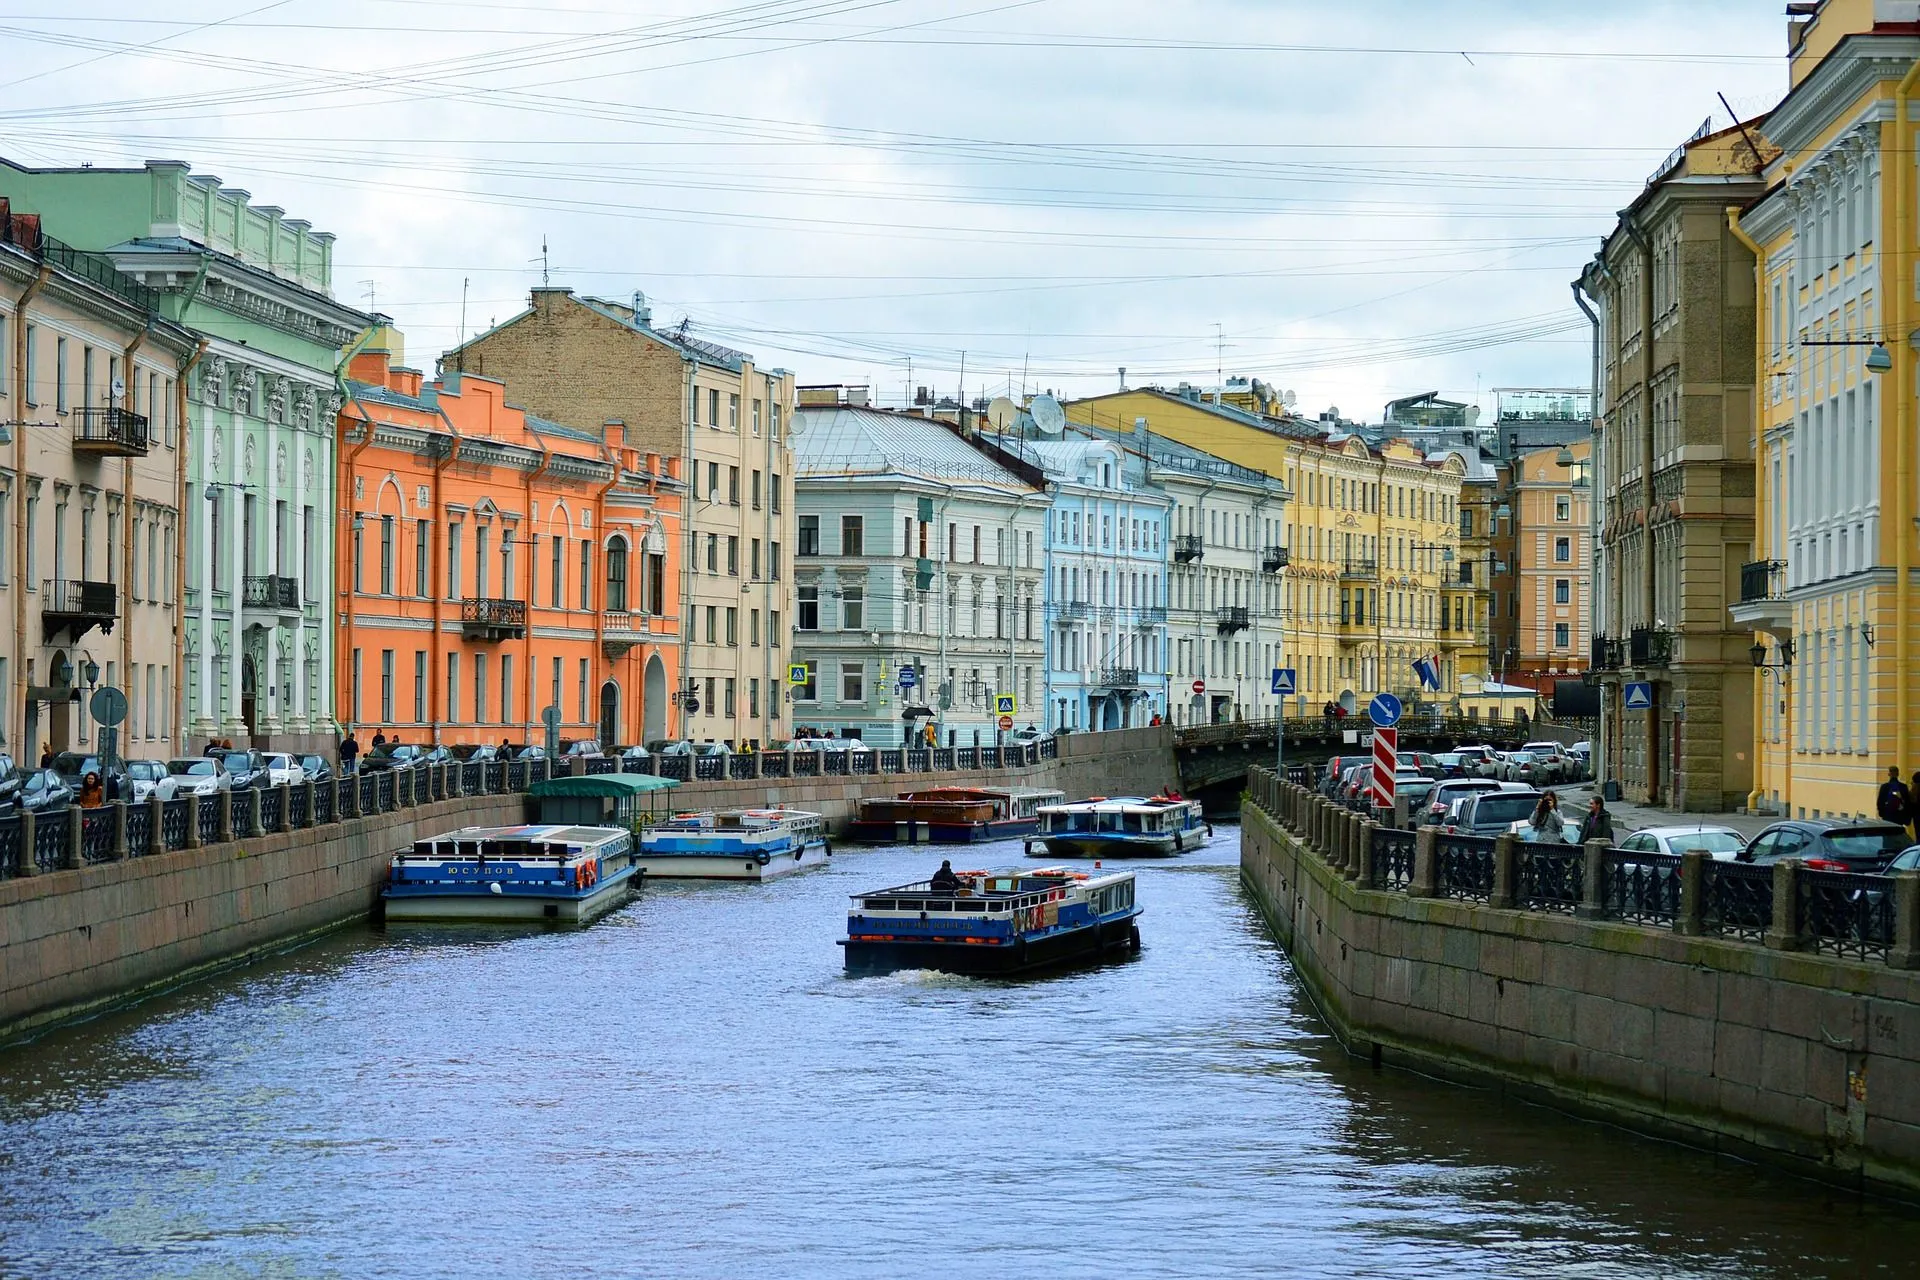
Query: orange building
x=492, y=564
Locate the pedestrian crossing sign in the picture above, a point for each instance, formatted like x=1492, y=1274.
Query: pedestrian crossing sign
x=796, y=673
x=1006, y=704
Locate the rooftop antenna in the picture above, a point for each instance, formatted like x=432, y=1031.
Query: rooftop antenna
x=963, y=393
x=1219, y=360
x=460, y=347
x=1025, y=360
x=545, y=276
x=368, y=285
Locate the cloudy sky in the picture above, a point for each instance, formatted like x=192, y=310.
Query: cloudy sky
x=1354, y=201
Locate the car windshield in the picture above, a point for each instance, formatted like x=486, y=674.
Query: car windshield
x=1908, y=861
x=1874, y=843
x=74, y=764
x=1504, y=807
x=201, y=768
x=312, y=762
x=1706, y=842
x=37, y=780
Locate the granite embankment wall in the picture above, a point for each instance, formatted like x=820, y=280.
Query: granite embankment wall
x=78, y=939
x=1809, y=1061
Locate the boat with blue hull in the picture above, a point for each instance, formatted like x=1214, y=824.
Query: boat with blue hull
x=951, y=815
x=1123, y=827
x=537, y=873
x=734, y=844
x=994, y=923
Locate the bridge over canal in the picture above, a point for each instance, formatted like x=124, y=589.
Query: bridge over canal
x=1214, y=758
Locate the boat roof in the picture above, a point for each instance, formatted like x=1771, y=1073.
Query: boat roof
x=602, y=784
x=1121, y=803
x=531, y=831
x=1025, y=880
x=1023, y=793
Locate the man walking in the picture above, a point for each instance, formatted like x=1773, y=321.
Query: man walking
x=349, y=752
x=1894, y=803
x=1598, y=824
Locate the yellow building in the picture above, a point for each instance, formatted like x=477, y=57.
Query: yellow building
x=1828, y=589
x=1372, y=579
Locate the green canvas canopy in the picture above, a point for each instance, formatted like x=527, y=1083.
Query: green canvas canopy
x=617, y=785
x=625, y=798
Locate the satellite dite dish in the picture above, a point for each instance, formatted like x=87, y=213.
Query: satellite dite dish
x=1002, y=412
x=1289, y=399
x=1049, y=419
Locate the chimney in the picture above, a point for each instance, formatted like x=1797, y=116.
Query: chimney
x=614, y=432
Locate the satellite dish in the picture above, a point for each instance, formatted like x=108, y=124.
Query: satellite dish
x=1049, y=419
x=1002, y=413
x=119, y=388
x=1289, y=399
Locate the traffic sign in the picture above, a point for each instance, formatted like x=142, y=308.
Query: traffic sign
x=1006, y=722
x=693, y=706
x=909, y=677
x=1384, y=710
x=109, y=705
x=796, y=673
x=1005, y=704
x=1386, y=763
x=1639, y=696
x=1199, y=686
x=1283, y=681
x=550, y=717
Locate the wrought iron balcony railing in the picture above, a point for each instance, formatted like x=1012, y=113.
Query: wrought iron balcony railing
x=1647, y=647
x=271, y=591
x=1120, y=677
x=487, y=619
x=1360, y=569
x=1760, y=580
x=1607, y=654
x=110, y=432
x=1232, y=618
x=74, y=606
x=1188, y=547
x=1274, y=559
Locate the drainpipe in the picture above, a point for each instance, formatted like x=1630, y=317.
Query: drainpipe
x=688, y=556
x=180, y=541
x=600, y=614
x=1897, y=287
x=1639, y=238
x=345, y=392
x=27, y=296
x=1762, y=392
x=126, y=503
x=436, y=696
x=1593, y=520
x=533, y=677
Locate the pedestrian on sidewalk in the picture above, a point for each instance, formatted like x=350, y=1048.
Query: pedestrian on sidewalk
x=349, y=752
x=1913, y=804
x=1545, y=814
x=1894, y=803
x=1598, y=824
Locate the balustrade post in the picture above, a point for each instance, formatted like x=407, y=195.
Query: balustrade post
x=1506, y=871
x=286, y=805
x=1905, y=953
x=452, y=788
x=1690, y=915
x=1366, y=872
x=1593, y=904
x=753, y=765
x=76, y=838
x=1356, y=841
x=1426, y=864
x=193, y=820
x=1316, y=824
x=156, y=823
x=27, y=866
x=1784, y=933
x=347, y=803
x=223, y=803
x=118, y=851
x=250, y=815
x=819, y=762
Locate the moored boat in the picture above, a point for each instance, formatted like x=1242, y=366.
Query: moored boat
x=542, y=872
x=994, y=922
x=734, y=844
x=1123, y=827
x=951, y=815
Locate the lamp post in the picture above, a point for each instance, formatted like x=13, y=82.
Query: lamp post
x=1783, y=672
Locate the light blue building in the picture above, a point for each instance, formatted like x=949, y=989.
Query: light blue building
x=1106, y=593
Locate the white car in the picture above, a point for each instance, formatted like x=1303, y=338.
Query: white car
x=827, y=744
x=1569, y=832
x=1722, y=844
x=198, y=776
x=150, y=777
x=283, y=770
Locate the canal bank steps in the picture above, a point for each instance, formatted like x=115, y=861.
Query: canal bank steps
x=100, y=906
x=1767, y=1012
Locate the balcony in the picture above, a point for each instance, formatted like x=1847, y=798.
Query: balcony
x=1450, y=638
x=1360, y=569
x=620, y=631
x=1274, y=559
x=75, y=607
x=1075, y=611
x=1146, y=619
x=1119, y=678
x=1649, y=648
x=484, y=619
x=270, y=594
x=1356, y=629
x=1231, y=619
x=1188, y=547
x=1763, y=606
x=1606, y=654
x=109, y=433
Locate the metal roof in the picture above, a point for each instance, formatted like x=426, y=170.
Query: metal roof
x=839, y=440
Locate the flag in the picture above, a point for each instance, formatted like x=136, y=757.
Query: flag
x=1428, y=670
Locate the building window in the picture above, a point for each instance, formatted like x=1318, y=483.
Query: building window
x=773, y=629
x=733, y=486
x=733, y=424
x=26, y=372
x=1562, y=508
x=656, y=583
x=853, y=682
x=853, y=537
x=808, y=690
x=713, y=420
x=853, y=608
x=809, y=608
x=453, y=688
x=733, y=555
x=453, y=561
x=617, y=575
x=506, y=688
x=773, y=561
x=1563, y=550
x=1560, y=635
x=586, y=574
x=1562, y=591
x=713, y=631
x=419, y=686
x=713, y=553
x=773, y=482
x=756, y=417
x=753, y=628
x=386, y=686
x=733, y=626
x=727, y=689
x=60, y=375
x=809, y=536
x=753, y=564
x=754, y=489
x=421, y=532
x=386, y=555
x=753, y=683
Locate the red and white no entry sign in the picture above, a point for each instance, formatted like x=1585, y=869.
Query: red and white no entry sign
x=1199, y=686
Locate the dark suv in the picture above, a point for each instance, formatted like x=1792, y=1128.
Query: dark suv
x=1828, y=844
x=1493, y=813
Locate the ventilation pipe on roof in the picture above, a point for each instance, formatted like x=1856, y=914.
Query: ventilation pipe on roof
x=642, y=313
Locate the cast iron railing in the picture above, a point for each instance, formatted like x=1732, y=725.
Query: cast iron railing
x=96, y=835
x=210, y=819
x=1844, y=914
x=270, y=591
x=1550, y=876
x=1466, y=867
x=1641, y=887
x=1393, y=858
x=111, y=432
x=273, y=814
x=1738, y=900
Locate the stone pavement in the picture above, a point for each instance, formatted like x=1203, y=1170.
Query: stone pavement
x=1628, y=818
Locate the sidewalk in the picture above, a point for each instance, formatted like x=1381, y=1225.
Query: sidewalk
x=1628, y=818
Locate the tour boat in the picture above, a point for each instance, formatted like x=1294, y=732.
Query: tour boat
x=1127, y=826
x=951, y=815
x=541, y=872
x=994, y=923
x=734, y=844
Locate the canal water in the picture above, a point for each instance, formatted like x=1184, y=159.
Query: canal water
x=693, y=1088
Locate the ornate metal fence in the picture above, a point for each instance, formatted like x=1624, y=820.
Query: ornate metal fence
x=50, y=839
x=173, y=822
x=1641, y=887
x=1466, y=867
x=1738, y=900
x=1393, y=858
x=96, y=835
x=1844, y=914
x=209, y=819
x=10, y=846
x=139, y=829
x=1550, y=877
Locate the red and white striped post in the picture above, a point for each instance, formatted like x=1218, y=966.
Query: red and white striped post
x=1386, y=763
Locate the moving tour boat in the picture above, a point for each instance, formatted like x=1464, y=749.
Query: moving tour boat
x=543, y=872
x=994, y=923
x=1127, y=826
x=734, y=844
x=951, y=815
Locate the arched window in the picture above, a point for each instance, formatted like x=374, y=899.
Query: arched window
x=617, y=575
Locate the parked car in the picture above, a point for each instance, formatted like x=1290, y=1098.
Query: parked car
x=1909, y=860
x=634, y=752
x=1491, y=812
x=1829, y=844
x=1441, y=800
x=1526, y=766
x=1030, y=734
x=43, y=791
x=317, y=768
x=198, y=776
x=282, y=769
x=407, y=755
x=581, y=749
x=1722, y=844
x=1354, y=784
x=1566, y=831
x=148, y=778
x=1423, y=762
x=1453, y=764
x=1415, y=787
x=1337, y=767
x=247, y=767
x=1492, y=764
